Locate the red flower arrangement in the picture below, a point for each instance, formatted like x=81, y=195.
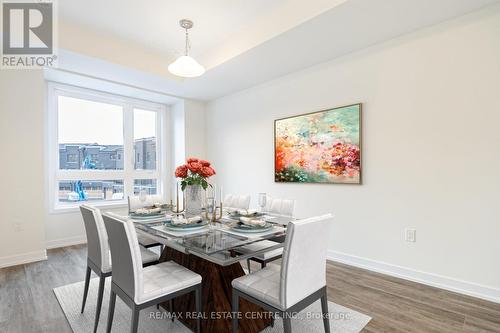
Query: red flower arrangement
x=345, y=160
x=194, y=172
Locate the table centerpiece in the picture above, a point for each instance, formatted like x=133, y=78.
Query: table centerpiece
x=194, y=174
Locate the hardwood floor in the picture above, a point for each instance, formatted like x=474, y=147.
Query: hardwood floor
x=397, y=305
x=27, y=303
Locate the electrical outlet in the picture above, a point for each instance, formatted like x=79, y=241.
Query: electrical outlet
x=410, y=235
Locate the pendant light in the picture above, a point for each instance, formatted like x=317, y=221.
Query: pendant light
x=186, y=66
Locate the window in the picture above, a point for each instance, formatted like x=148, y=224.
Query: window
x=145, y=139
x=71, y=191
x=91, y=135
x=86, y=128
x=71, y=158
x=146, y=185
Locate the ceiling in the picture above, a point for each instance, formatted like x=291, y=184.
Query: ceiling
x=218, y=24
x=245, y=43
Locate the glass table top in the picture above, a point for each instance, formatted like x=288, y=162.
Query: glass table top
x=217, y=242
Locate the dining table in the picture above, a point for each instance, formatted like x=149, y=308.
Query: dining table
x=211, y=250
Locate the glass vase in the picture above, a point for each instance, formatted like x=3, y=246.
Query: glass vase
x=194, y=195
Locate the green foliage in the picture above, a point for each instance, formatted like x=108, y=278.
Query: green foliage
x=293, y=175
x=194, y=179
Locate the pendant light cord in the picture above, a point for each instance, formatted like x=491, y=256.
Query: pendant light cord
x=187, y=43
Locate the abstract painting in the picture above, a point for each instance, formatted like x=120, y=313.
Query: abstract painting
x=319, y=147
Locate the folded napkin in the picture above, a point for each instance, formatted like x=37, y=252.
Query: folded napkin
x=191, y=220
x=147, y=210
x=252, y=222
x=247, y=212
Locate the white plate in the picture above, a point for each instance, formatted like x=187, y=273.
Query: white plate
x=146, y=217
x=184, y=229
x=253, y=230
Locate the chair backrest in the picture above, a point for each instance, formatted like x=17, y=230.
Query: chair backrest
x=236, y=201
x=280, y=206
x=97, y=237
x=134, y=201
x=303, y=269
x=125, y=254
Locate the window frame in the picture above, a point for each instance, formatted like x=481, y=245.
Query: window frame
x=129, y=173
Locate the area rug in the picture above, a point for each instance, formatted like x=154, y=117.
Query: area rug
x=152, y=320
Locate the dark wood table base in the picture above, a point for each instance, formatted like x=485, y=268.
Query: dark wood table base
x=216, y=297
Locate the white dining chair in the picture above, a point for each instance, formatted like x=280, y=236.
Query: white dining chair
x=142, y=287
x=134, y=203
x=236, y=201
x=299, y=282
x=281, y=207
x=284, y=207
x=98, y=255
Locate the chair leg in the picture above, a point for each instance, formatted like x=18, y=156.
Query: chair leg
x=198, y=308
x=248, y=266
x=135, y=320
x=263, y=264
x=324, y=308
x=172, y=311
x=102, y=279
x=111, y=312
x=86, y=289
x=287, y=322
x=235, y=309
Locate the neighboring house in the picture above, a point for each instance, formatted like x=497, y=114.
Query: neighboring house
x=145, y=154
x=72, y=156
x=105, y=157
x=109, y=157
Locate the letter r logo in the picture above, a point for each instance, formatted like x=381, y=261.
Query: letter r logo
x=27, y=28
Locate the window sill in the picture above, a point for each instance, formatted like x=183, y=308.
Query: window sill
x=74, y=208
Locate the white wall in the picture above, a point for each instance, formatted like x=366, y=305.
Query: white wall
x=26, y=226
x=178, y=129
x=195, y=129
x=187, y=137
x=188, y=133
x=431, y=111
x=188, y=130
x=22, y=101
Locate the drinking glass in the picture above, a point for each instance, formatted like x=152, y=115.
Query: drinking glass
x=210, y=205
x=262, y=201
x=210, y=211
x=143, y=196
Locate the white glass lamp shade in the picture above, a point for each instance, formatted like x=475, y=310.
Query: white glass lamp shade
x=186, y=66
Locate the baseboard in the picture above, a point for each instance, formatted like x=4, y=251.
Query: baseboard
x=56, y=243
x=459, y=286
x=23, y=258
